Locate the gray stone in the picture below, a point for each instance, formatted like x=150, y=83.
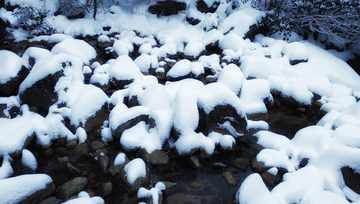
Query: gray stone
x=157, y=157
x=71, y=144
x=51, y=200
x=230, y=180
x=96, y=145
x=104, y=190
x=257, y=166
x=97, y=120
x=240, y=163
x=270, y=179
x=11, y=87
x=71, y=187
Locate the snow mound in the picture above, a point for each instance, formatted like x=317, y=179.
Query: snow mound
x=135, y=169
x=77, y=48
x=11, y=65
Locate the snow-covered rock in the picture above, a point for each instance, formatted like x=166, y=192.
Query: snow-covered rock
x=123, y=72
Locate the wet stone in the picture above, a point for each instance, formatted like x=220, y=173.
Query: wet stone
x=96, y=145
x=72, y=187
x=257, y=166
x=219, y=165
x=195, y=161
x=40, y=195
x=195, y=184
x=169, y=185
x=82, y=149
x=157, y=157
x=230, y=180
x=270, y=179
x=51, y=200
x=71, y=144
x=104, y=190
x=47, y=152
x=240, y=163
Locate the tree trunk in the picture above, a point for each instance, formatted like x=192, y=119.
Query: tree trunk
x=95, y=9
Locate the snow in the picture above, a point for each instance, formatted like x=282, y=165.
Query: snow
x=296, y=51
x=260, y=67
x=153, y=192
x=28, y=159
x=11, y=65
x=124, y=68
x=17, y=188
x=194, y=49
x=81, y=135
x=232, y=77
x=120, y=159
x=253, y=93
x=84, y=198
x=135, y=169
x=36, y=53
x=77, y=48
x=298, y=91
x=181, y=68
x=232, y=41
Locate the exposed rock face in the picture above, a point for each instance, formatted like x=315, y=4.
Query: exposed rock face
x=41, y=94
x=221, y=114
x=351, y=178
x=96, y=121
x=130, y=123
x=11, y=87
x=167, y=8
x=3, y=24
x=71, y=187
x=157, y=157
x=205, y=8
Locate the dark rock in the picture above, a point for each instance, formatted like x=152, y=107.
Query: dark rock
x=47, y=152
x=130, y=123
x=257, y=166
x=41, y=94
x=71, y=187
x=169, y=185
x=71, y=144
x=3, y=107
x=119, y=84
x=351, y=178
x=11, y=87
x=192, y=21
x=230, y=180
x=97, y=120
x=219, y=165
x=269, y=179
x=219, y=115
x=253, y=30
x=3, y=26
x=292, y=102
x=203, y=7
x=40, y=195
x=167, y=8
x=297, y=61
x=240, y=163
x=51, y=200
x=104, y=190
x=96, y=145
x=303, y=162
x=114, y=169
x=157, y=157
x=103, y=161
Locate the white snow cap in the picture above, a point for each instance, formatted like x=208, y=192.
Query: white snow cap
x=11, y=64
x=153, y=192
x=135, y=169
x=124, y=68
x=77, y=48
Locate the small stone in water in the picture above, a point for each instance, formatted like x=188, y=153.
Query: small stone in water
x=229, y=178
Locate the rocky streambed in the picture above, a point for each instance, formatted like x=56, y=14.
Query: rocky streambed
x=196, y=178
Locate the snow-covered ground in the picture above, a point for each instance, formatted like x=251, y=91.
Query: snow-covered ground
x=298, y=69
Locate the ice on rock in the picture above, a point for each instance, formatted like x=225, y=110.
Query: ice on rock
x=232, y=41
x=28, y=159
x=11, y=65
x=181, y=69
x=77, y=48
x=232, y=77
x=260, y=67
x=153, y=192
x=17, y=188
x=135, y=169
